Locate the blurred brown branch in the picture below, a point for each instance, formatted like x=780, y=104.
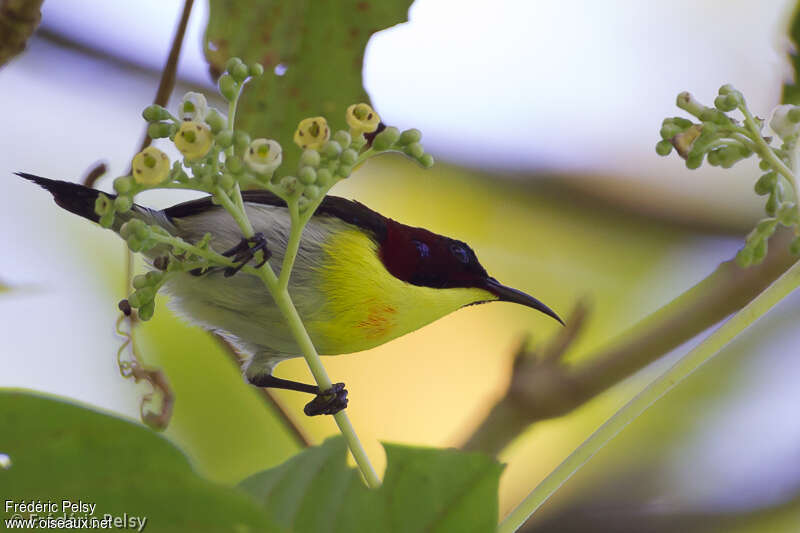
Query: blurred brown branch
x=543, y=387
x=18, y=20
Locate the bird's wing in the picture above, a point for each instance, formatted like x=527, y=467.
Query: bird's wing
x=348, y=211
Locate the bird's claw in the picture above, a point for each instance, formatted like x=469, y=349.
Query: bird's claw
x=245, y=251
x=329, y=402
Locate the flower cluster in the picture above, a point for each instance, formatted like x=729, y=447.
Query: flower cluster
x=723, y=141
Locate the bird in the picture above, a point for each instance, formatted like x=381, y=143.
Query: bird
x=360, y=279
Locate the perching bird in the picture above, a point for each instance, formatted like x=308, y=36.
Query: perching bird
x=360, y=279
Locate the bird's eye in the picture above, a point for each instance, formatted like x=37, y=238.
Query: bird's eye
x=422, y=248
x=460, y=253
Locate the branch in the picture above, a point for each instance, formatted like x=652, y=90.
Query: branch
x=543, y=387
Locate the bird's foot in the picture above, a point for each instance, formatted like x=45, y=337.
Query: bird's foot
x=329, y=402
x=245, y=251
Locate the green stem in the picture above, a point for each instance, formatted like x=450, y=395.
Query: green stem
x=763, y=149
x=712, y=345
x=292, y=245
x=284, y=302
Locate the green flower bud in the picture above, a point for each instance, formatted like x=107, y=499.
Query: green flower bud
x=302, y=203
x=193, y=140
x=227, y=181
x=256, y=69
x=224, y=138
x=781, y=123
x=289, y=185
x=349, y=157
x=794, y=248
x=772, y=204
x=344, y=171
x=663, y=147
x=155, y=113
x=215, y=120
x=426, y=160
x=410, y=136
x=725, y=103
x=415, y=150
x=123, y=204
x=307, y=175
x=147, y=310
x=153, y=278
x=107, y=220
x=139, y=282
x=123, y=184
x=263, y=156
x=234, y=165
x=764, y=165
x=765, y=228
x=232, y=63
x=208, y=181
x=150, y=166
x=343, y=138
x=331, y=149
x=240, y=72
x=160, y=130
x=760, y=251
x=309, y=158
x=228, y=87
x=324, y=177
x=669, y=130
x=714, y=158
x=694, y=161
x=193, y=106
x=311, y=192
x=386, y=139
x=241, y=141
x=312, y=133
x=766, y=183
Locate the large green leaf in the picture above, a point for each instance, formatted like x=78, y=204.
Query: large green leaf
x=424, y=489
x=791, y=89
x=62, y=451
x=319, y=44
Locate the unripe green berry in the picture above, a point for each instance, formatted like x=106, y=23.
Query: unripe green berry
x=155, y=113
x=139, y=282
x=123, y=184
x=153, y=277
x=228, y=87
x=303, y=202
x=324, y=177
x=311, y=192
x=135, y=244
x=123, y=203
x=227, y=181
x=426, y=160
x=215, y=121
x=307, y=175
x=310, y=158
x=224, y=138
x=694, y=161
x=343, y=138
x=208, y=181
x=766, y=183
x=410, y=136
x=663, y=147
x=289, y=185
x=107, y=220
x=764, y=165
x=386, y=139
x=331, y=149
x=256, y=69
x=344, y=171
x=349, y=157
x=415, y=150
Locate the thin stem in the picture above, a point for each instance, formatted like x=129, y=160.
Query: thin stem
x=292, y=246
x=238, y=215
x=784, y=285
x=763, y=149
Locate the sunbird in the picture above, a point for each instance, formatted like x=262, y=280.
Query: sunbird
x=360, y=279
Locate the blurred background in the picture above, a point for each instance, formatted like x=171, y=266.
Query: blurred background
x=543, y=117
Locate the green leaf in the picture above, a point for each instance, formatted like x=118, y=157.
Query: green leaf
x=424, y=489
x=791, y=90
x=319, y=44
x=59, y=450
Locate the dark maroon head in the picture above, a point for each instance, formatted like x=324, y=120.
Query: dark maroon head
x=423, y=258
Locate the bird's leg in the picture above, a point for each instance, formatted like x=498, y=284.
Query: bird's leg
x=244, y=252
x=328, y=402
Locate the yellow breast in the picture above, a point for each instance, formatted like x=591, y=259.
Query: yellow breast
x=367, y=306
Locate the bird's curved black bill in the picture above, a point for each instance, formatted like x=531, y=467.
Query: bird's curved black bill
x=508, y=294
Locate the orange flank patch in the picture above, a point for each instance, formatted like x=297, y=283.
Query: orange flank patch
x=379, y=321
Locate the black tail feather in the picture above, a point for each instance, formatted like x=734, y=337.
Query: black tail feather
x=71, y=196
